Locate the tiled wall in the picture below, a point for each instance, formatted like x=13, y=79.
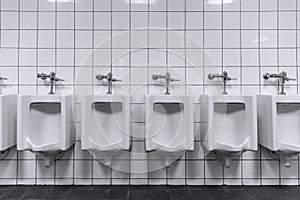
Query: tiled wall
x=80, y=38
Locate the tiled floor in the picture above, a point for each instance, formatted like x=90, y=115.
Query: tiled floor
x=151, y=192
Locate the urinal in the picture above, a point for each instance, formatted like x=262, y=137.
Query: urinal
x=45, y=124
x=279, y=125
x=231, y=124
x=105, y=125
x=8, y=122
x=169, y=125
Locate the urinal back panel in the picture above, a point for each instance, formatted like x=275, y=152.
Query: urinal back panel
x=107, y=122
x=288, y=123
x=45, y=123
x=233, y=118
x=167, y=122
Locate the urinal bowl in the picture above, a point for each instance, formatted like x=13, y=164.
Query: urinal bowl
x=169, y=125
x=105, y=126
x=8, y=122
x=279, y=125
x=231, y=124
x=45, y=124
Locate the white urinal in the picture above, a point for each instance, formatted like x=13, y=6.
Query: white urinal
x=231, y=124
x=279, y=124
x=105, y=125
x=45, y=124
x=169, y=125
x=8, y=122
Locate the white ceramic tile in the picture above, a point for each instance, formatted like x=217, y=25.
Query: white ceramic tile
x=120, y=5
x=46, y=57
x=231, y=39
x=268, y=20
x=139, y=39
x=83, y=20
x=250, y=57
x=157, y=20
x=250, y=75
x=191, y=23
x=158, y=5
x=30, y=5
x=28, y=20
x=65, y=39
x=46, y=6
x=250, y=38
x=268, y=57
x=9, y=4
x=120, y=20
x=212, y=39
x=175, y=20
x=287, y=38
x=102, y=39
x=287, y=5
x=86, y=5
x=65, y=57
x=83, y=39
x=231, y=57
x=213, y=20
x=176, y=5
x=157, y=39
x=249, y=5
x=46, y=20
x=27, y=57
x=65, y=20
x=194, y=5
x=46, y=39
x=249, y=20
x=268, y=38
x=231, y=20
x=68, y=6
x=287, y=20
x=104, y=5
x=139, y=20
x=211, y=5
x=194, y=39
x=9, y=20
x=267, y=5
x=287, y=57
x=9, y=38
x=213, y=57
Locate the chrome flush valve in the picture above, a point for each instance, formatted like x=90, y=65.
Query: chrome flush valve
x=282, y=79
x=52, y=77
x=109, y=78
x=225, y=79
x=167, y=77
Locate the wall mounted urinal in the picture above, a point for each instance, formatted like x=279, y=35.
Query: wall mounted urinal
x=279, y=122
x=105, y=123
x=279, y=125
x=45, y=124
x=231, y=123
x=169, y=124
x=8, y=122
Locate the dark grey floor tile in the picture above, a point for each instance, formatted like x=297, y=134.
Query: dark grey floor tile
x=178, y=193
x=118, y=192
x=138, y=192
x=77, y=193
x=199, y=194
x=159, y=192
x=98, y=193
